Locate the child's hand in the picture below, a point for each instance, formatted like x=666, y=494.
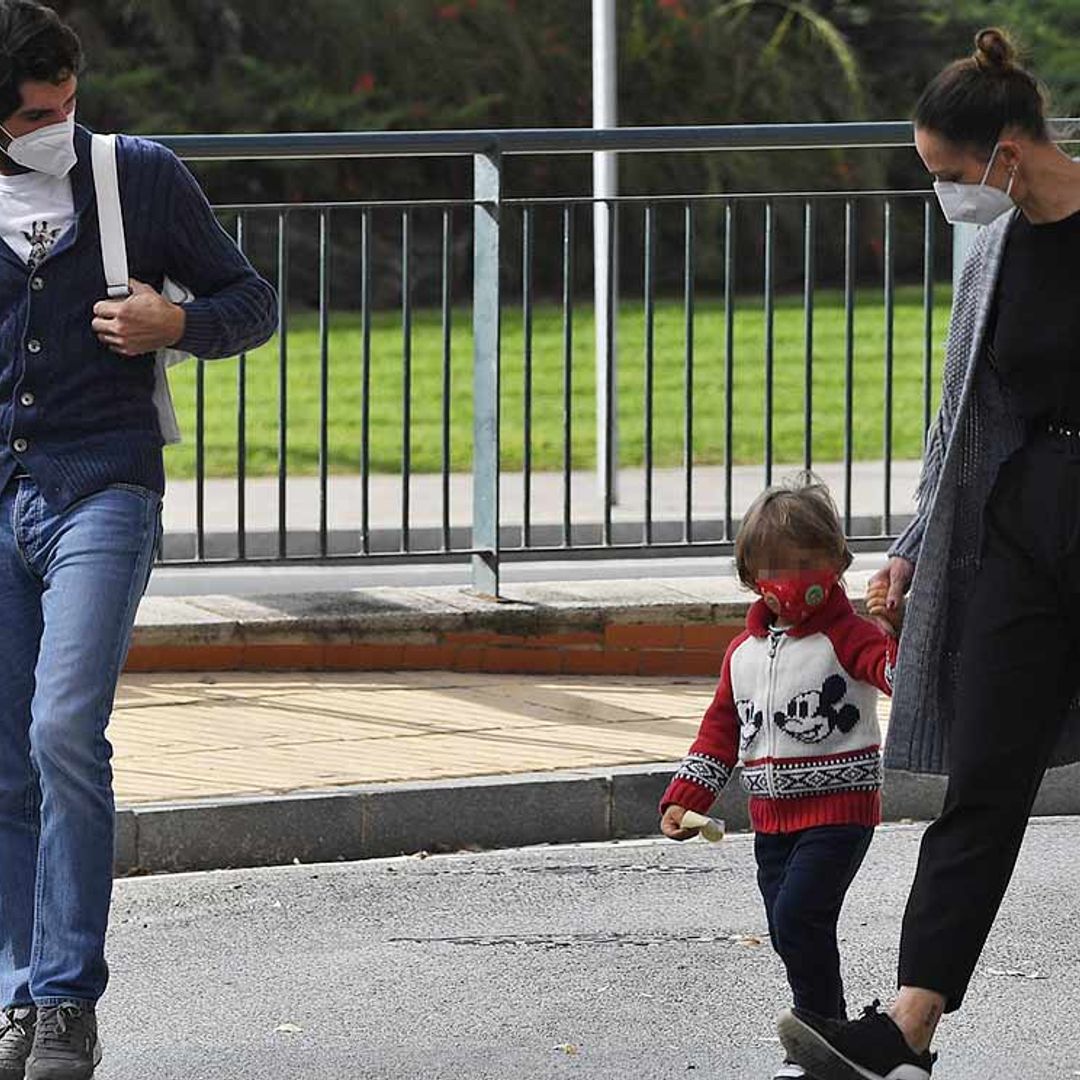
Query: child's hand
x=877, y=593
x=671, y=823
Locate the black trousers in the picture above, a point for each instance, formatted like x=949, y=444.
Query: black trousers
x=804, y=877
x=1018, y=670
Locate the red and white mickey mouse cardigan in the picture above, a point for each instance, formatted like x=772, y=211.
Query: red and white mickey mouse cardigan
x=798, y=708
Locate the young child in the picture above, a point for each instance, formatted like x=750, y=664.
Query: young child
x=797, y=705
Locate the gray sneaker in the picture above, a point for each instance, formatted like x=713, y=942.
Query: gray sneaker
x=66, y=1043
x=16, y=1038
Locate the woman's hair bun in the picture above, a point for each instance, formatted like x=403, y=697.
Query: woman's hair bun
x=994, y=51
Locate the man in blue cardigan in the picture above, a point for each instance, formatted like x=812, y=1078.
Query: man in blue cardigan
x=81, y=482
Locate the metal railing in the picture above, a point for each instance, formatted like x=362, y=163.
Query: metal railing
x=347, y=521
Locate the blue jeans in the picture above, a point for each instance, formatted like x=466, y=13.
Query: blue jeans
x=804, y=877
x=70, y=584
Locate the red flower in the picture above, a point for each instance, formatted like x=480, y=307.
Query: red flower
x=365, y=83
x=449, y=11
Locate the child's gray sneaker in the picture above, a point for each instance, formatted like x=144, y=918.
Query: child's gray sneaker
x=16, y=1038
x=66, y=1043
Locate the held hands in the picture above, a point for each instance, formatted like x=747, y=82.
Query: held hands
x=671, y=823
x=885, y=594
x=142, y=322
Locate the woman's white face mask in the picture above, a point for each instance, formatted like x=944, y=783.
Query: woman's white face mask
x=974, y=204
x=49, y=149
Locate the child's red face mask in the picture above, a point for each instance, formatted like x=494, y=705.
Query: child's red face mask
x=795, y=597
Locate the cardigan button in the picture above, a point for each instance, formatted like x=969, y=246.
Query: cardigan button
x=26, y=399
x=33, y=345
x=20, y=446
x=37, y=283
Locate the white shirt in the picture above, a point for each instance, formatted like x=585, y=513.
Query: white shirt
x=35, y=211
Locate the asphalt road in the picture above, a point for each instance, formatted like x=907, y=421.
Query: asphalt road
x=633, y=960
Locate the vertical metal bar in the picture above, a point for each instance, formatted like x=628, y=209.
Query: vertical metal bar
x=365, y=382
x=487, y=193
x=241, y=430
x=568, y=372
x=527, y=372
x=200, y=460
x=890, y=318
x=928, y=314
x=447, y=373
x=849, y=353
x=608, y=494
x=770, y=325
x=650, y=328
x=808, y=334
x=283, y=382
x=688, y=374
x=406, y=376
x=605, y=250
x=324, y=375
x=729, y=365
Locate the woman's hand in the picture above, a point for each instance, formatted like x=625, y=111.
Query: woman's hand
x=877, y=607
x=671, y=823
x=885, y=593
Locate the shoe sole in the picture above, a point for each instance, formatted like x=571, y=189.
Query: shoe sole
x=97, y=1055
x=813, y=1052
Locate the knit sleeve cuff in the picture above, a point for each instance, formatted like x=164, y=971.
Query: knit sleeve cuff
x=697, y=784
x=909, y=542
x=201, y=330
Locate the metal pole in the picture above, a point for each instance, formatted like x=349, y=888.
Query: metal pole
x=605, y=249
x=487, y=172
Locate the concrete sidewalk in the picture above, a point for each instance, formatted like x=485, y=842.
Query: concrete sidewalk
x=249, y=769
x=344, y=499
x=181, y=737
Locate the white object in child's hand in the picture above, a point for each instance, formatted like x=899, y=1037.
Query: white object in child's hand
x=710, y=828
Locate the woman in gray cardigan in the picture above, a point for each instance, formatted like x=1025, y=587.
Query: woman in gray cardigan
x=988, y=670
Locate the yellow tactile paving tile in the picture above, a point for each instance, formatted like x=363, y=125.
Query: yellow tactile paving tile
x=192, y=736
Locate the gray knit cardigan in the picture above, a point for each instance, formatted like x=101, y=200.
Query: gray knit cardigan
x=975, y=432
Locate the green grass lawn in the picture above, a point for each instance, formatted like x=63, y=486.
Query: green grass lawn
x=425, y=433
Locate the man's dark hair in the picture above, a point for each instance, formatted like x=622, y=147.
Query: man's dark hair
x=35, y=45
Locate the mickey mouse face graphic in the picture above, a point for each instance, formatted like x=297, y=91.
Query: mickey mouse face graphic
x=750, y=720
x=812, y=715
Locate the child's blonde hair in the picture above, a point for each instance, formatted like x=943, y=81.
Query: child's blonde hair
x=798, y=513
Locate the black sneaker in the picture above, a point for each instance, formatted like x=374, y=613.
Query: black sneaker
x=16, y=1038
x=66, y=1043
x=870, y=1048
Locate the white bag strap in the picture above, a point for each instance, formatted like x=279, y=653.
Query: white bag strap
x=110, y=216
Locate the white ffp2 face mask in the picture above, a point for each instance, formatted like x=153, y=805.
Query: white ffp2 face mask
x=49, y=149
x=974, y=204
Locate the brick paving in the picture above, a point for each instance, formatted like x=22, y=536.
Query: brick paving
x=181, y=737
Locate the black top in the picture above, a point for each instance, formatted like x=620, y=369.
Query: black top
x=1035, y=343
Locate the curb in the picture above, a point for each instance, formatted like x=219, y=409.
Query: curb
x=380, y=820
x=671, y=626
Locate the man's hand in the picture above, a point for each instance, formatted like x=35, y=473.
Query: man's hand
x=885, y=593
x=142, y=322
x=671, y=823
